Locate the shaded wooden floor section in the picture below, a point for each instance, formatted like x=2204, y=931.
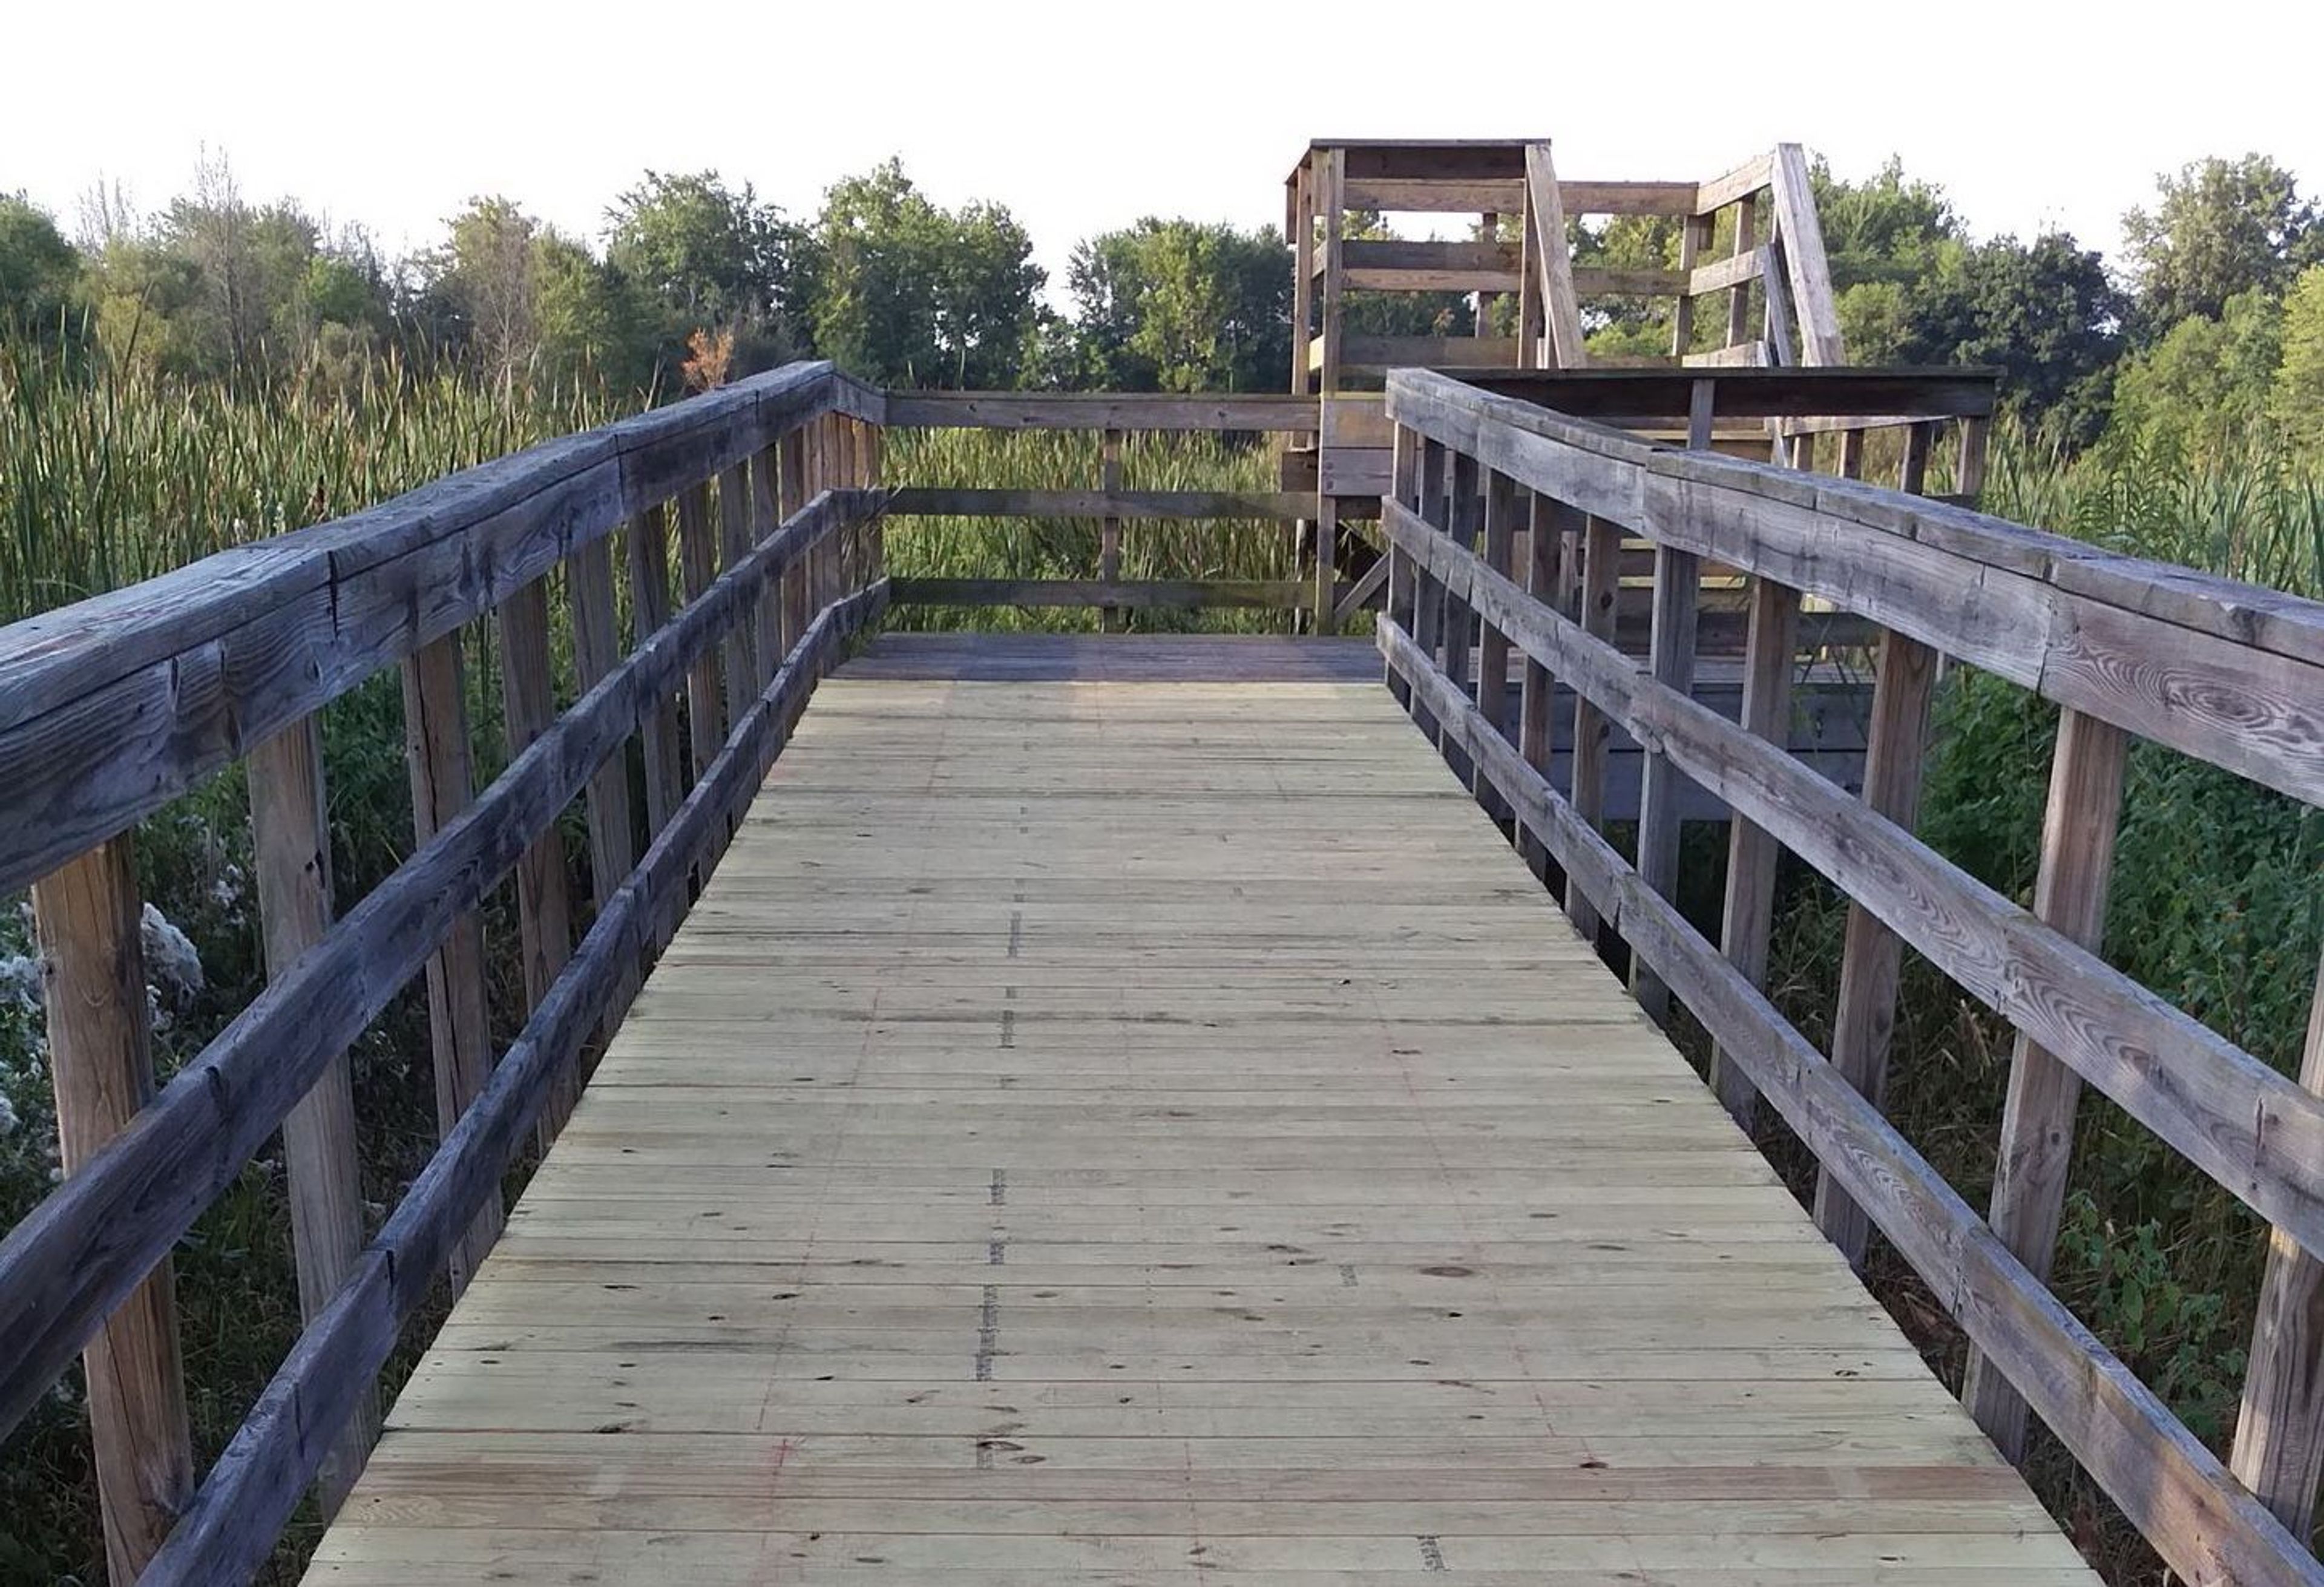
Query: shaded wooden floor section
x=1138, y=1133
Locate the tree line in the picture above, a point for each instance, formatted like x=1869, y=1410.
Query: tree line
x=2210, y=330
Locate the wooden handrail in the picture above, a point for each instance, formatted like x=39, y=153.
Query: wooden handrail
x=110, y=708
x=2212, y=668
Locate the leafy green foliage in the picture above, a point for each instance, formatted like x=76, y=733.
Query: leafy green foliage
x=2221, y=228
x=1175, y=306
x=703, y=256
x=40, y=273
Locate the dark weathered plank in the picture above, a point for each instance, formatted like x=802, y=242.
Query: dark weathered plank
x=2201, y=1521
x=544, y=910
x=1096, y=411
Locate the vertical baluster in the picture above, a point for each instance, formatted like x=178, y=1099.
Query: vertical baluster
x=1404, y=486
x=1460, y=521
x=596, y=651
x=2037, y=1120
x=1545, y=581
x=1109, y=534
x=87, y=913
x=544, y=912
x=695, y=558
x=1427, y=594
x=291, y=851
x=741, y=650
x=1499, y=510
x=1601, y=583
x=436, y=748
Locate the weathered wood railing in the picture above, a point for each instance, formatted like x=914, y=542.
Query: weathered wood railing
x=111, y=707
x=2229, y=673
x=1110, y=417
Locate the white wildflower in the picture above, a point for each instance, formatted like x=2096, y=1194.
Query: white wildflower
x=171, y=958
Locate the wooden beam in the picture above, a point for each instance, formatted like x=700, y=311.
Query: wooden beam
x=87, y=914
x=2037, y=1120
x=2279, y=1447
x=741, y=652
x=460, y=1028
x=648, y=558
x=1602, y=573
x=1109, y=541
x=290, y=853
x=1138, y=594
x=1745, y=179
x=697, y=567
x=544, y=912
x=1332, y=178
x=1545, y=222
x=1234, y=412
x=1300, y=225
x=959, y=502
x=612, y=831
x=1792, y=200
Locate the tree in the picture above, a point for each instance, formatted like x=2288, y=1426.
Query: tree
x=485, y=281
x=1182, y=305
x=906, y=293
x=39, y=273
x=2297, y=399
x=703, y=257
x=2205, y=387
x=2044, y=312
x=2222, y=227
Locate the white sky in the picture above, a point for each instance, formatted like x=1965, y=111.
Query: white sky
x=1081, y=117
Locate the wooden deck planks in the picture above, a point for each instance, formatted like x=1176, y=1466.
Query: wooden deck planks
x=1145, y=1132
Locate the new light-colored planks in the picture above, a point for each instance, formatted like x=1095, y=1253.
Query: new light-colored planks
x=1157, y=1132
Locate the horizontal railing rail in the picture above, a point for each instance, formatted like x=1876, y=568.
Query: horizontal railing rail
x=1110, y=417
x=110, y=708
x=2232, y=674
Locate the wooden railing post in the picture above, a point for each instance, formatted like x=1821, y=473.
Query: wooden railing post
x=741, y=651
x=1499, y=510
x=1108, y=531
x=767, y=612
x=436, y=748
x=695, y=568
x=613, y=833
x=2278, y=1448
x=1460, y=522
x=1303, y=274
x=87, y=915
x=1333, y=201
x=544, y=912
x=1871, y=956
x=1671, y=644
x=2037, y=1122
x=1427, y=594
x=1327, y=566
x=1545, y=581
x=1404, y=484
x=1738, y=297
x=664, y=775
x=1602, y=585
x=291, y=845
x=795, y=491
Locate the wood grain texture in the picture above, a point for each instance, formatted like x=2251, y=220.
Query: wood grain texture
x=2079, y=825
x=86, y=917
x=290, y=854
x=544, y=908
x=1119, y=1200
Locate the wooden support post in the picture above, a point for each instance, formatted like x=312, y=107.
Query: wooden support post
x=2037, y=1122
x=544, y=912
x=1738, y=297
x=1747, y=917
x=665, y=774
x=1678, y=584
x=1488, y=232
x=705, y=731
x=1324, y=624
x=1427, y=594
x=436, y=748
x=1303, y=276
x=741, y=650
x=1601, y=574
x=1109, y=530
x=795, y=492
x=1913, y=471
x=87, y=914
x=1968, y=475
x=612, y=832
x=1333, y=199
x=1499, y=510
x=1464, y=515
x=1871, y=956
x=1693, y=242
x=767, y=615
x=1404, y=485
x=1545, y=240
x=290, y=849
x=1851, y=454
x=2278, y=1448
x=1809, y=273
x=1545, y=581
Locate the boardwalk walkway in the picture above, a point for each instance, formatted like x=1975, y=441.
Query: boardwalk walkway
x=1157, y=1132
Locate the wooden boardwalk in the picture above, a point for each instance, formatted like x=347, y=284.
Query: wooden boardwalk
x=1157, y=1132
